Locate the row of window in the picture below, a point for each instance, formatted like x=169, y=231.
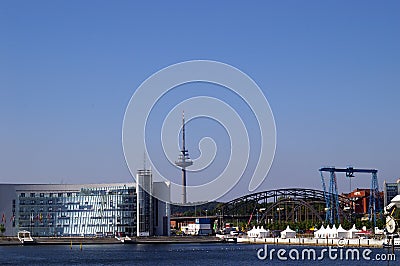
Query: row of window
x=74, y=194
x=50, y=202
x=50, y=195
x=26, y=225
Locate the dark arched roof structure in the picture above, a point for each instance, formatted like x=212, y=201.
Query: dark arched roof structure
x=288, y=204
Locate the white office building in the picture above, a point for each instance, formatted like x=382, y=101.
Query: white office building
x=86, y=209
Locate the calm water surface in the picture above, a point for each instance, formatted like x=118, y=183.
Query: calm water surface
x=164, y=254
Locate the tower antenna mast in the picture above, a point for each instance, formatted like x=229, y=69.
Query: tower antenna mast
x=183, y=160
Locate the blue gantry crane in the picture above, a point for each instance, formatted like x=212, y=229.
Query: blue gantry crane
x=332, y=199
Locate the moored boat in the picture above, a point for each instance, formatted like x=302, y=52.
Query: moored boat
x=25, y=237
x=392, y=241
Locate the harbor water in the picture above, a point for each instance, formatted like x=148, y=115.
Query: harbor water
x=175, y=254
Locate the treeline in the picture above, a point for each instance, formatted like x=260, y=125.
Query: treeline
x=200, y=209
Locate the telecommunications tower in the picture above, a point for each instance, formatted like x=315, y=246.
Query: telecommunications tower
x=183, y=161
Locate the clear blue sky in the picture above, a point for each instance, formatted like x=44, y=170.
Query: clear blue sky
x=330, y=70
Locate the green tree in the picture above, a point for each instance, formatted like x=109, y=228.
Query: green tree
x=2, y=229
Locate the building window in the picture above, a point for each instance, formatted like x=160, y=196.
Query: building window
x=22, y=195
x=32, y=195
x=41, y=195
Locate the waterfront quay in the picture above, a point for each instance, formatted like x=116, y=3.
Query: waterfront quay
x=372, y=243
x=359, y=242
x=98, y=241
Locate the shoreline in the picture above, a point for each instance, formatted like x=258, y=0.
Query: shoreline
x=348, y=242
x=370, y=243
x=13, y=241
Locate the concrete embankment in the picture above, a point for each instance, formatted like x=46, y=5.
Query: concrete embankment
x=358, y=242
x=100, y=241
x=59, y=241
x=8, y=241
x=177, y=239
x=196, y=239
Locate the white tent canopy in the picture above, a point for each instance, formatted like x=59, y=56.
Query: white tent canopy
x=332, y=232
x=288, y=233
x=320, y=233
x=258, y=232
x=342, y=233
x=352, y=231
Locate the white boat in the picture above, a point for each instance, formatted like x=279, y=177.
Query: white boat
x=25, y=237
x=391, y=241
x=227, y=237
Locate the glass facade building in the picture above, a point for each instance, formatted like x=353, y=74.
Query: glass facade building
x=145, y=200
x=390, y=191
x=90, y=212
x=86, y=209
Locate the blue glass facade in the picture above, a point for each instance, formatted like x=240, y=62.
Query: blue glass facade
x=390, y=191
x=88, y=212
x=86, y=209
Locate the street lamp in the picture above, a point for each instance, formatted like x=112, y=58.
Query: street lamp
x=260, y=210
x=279, y=213
x=219, y=220
x=206, y=213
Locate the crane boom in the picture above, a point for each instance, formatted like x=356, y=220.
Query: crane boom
x=348, y=170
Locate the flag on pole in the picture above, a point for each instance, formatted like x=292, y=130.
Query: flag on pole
x=251, y=216
x=12, y=218
x=3, y=219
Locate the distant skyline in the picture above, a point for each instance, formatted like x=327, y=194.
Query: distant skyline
x=329, y=69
